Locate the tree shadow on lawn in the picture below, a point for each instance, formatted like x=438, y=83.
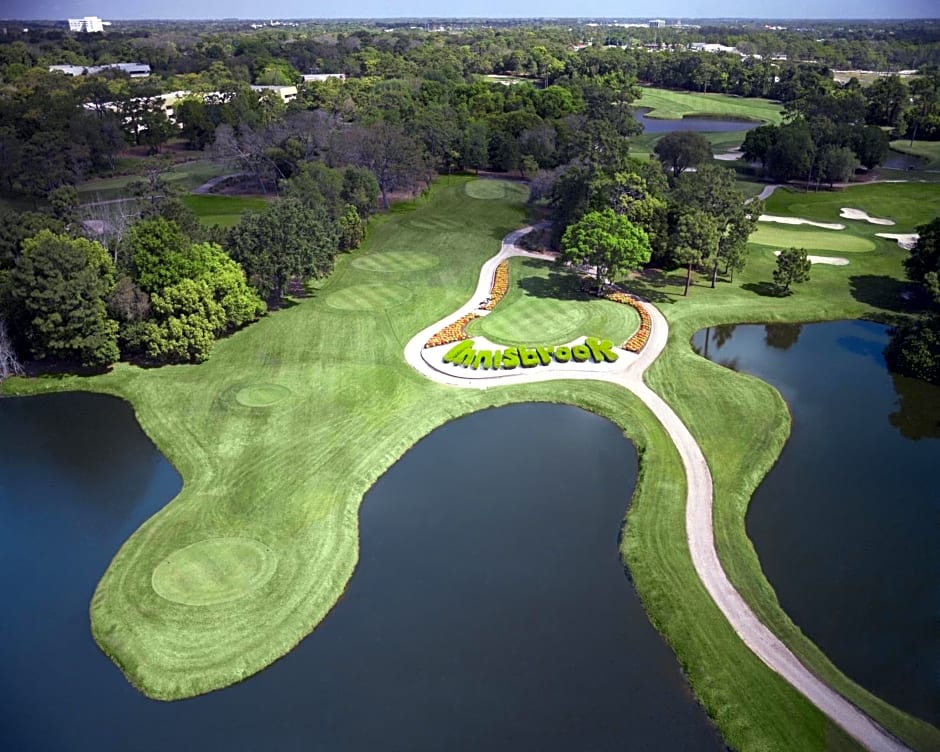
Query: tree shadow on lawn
x=561, y=284
x=884, y=292
x=655, y=285
x=764, y=289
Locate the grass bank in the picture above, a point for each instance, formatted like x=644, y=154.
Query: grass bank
x=668, y=105
x=224, y=211
x=282, y=431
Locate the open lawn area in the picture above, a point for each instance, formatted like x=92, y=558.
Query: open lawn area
x=667, y=104
x=186, y=176
x=223, y=210
x=545, y=306
x=279, y=435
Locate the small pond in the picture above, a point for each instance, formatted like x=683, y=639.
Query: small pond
x=489, y=610
x=845, y=524
x=701, y=124
x=897, y=160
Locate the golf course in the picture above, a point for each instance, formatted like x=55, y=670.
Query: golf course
x=281, y=432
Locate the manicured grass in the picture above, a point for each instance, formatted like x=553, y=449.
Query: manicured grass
x=185, y=176
x=667, y=104
x=223, y=210
x=803, y=236
x=545, y=306
x=289, y=468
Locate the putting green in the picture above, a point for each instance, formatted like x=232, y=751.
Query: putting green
x=485, y=189
x=214, y=571
x=396, y=262
x=368, y=297
x=261, y=395
x=811, y=239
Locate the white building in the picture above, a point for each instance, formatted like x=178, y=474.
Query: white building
x=87, y=24
x=134, y=70
x=309, y=77
x=657, y=23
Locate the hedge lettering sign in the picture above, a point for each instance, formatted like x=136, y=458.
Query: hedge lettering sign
x=464, y=354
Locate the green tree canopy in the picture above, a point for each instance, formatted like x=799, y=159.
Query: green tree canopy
x=287, y=239
x=792, y=266
x=694, y=240
x=607, y=241
x=60, y=286
x=680, y=150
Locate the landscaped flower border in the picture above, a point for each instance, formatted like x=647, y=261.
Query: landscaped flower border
x=500, y=286
x=639, y=339
x=454, y=332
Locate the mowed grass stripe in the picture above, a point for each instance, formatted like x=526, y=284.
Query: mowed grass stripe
x=785, y=236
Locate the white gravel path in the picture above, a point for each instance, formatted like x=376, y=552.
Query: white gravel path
x=628, y=372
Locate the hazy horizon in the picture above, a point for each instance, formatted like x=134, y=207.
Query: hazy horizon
x=186, y=10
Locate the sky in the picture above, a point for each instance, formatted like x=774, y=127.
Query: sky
x=273, y=9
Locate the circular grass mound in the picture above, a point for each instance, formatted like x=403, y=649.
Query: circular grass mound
x=396, y=262
x=487, y=190
x=368, y=297
x=214, y=571
x=261, y=395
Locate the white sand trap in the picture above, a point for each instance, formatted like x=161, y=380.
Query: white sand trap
x=847, y=213
x=831, y=260
x=732, y=155
x=905, y=240
x=799, y=221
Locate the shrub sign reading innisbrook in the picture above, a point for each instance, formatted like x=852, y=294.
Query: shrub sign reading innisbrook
x=463, y=354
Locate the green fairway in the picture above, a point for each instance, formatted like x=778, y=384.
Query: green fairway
x=223, y=210
x=545, y=306
x=185, y=176
x=802, y=236
x=486, y=190
x=908, y=204
x=279, y=435
x=667, y=104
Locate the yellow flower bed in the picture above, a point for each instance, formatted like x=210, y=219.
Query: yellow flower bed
x=639, y=339
x=454, y=332
x=500, y=286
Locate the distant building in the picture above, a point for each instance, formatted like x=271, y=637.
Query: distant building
x=309, y=77
x=134, y=70
x=657, y=23
x=87, y=24
x=286, y=93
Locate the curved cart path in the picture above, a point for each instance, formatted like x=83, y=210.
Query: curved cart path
x=628, y=372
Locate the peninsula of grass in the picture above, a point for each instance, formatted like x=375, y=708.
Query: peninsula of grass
x=546, y=306
x=671, y=105
x=279, y=435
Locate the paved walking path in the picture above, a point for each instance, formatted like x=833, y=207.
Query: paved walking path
x=628, y=372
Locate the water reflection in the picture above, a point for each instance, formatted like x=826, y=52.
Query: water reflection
x=845, y=522
x=782, y=336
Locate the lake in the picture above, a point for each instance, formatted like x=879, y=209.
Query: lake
x=845, y=524
x=703, y=125
x=489, y=610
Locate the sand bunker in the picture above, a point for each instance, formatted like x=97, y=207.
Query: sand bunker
x=799, y=221
x=906, y=240
x=847, y=213
x=830, y=260
x=732, y=155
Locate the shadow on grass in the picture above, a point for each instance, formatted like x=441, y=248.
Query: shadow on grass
x=764, y=289
x=656, y=286
x=883, y=292
x=559, y=284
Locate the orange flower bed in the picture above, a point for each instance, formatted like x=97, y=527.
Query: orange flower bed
x=454, y=332
x=639, y=339
x=500, y=286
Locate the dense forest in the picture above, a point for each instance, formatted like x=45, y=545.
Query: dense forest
x=151, y=283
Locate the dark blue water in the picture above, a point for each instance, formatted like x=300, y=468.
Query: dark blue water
x=490, y=609
x=846, y=523
x=703, y=125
